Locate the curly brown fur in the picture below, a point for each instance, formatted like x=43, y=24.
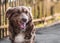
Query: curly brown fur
x=20, y=23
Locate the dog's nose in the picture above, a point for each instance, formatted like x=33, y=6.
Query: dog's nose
x=24, y=20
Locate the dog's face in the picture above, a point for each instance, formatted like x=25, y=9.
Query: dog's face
x=19, y=16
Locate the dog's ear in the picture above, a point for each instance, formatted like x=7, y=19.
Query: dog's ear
x=30, y=15
x=30, y=24
x=9, y=12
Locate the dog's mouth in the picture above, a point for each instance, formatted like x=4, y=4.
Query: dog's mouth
x=22, y=25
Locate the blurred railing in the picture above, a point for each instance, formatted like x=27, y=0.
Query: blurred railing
x=37, y=11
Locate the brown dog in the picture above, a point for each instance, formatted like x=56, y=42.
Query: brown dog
x=21, y=27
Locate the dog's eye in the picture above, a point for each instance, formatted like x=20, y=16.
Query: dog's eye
x=15, y=15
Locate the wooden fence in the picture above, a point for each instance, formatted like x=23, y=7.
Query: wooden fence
x=37, y=10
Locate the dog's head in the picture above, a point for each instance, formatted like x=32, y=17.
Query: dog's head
x=19, y=16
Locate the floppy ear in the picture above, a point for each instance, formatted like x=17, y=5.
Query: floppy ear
x=9, y=12
x=30, y=27
x=30, y=17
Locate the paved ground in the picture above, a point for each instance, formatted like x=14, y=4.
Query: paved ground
x=44, y=35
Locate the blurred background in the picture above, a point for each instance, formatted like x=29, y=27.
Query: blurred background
x=45, y=12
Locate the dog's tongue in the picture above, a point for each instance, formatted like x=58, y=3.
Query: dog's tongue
x=22, y=26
